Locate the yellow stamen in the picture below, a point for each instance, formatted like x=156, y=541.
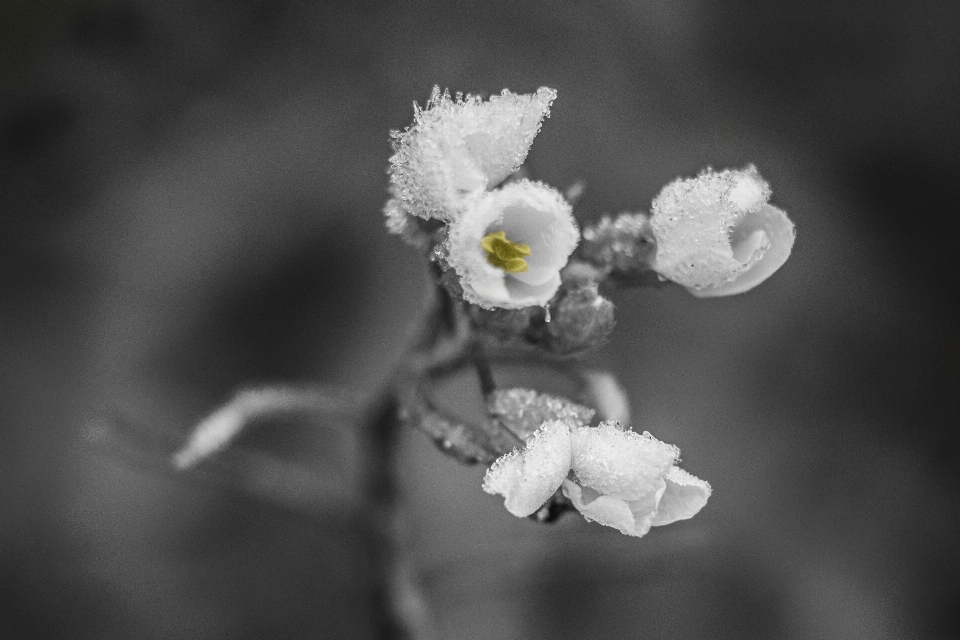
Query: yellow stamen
x=505, y=253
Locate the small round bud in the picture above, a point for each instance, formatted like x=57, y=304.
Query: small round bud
x=582, y=320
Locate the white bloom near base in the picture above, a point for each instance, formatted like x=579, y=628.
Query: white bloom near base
x=527, y=477
x=629, y=481
x=537, y=225
x=716, y=235
x=463, y=146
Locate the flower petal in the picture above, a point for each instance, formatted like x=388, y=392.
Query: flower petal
x=460, y=146
x=685, y=495
x=632, y=518
x=778, y=234
x=527, y=477
x=618, y=462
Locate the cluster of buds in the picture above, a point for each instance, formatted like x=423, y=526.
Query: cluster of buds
x=510, y=253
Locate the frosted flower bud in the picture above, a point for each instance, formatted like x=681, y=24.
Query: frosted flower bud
x=628, y=481
x=583, y=320
x=460, y=147
x=523, y=411
x=716, y=235
x=509, y=245
x=527, y=477
x=624, y=244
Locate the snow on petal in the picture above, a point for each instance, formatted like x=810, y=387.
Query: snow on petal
x=619, y=462
x=527, y=477
x=685, y=495
x=529, y=213
x=460, y=146
x=716, y=234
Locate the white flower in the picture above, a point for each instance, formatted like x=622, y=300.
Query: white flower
x=716, y=234
x=629, y=481
x=463, y=146
x=509, y=245
x=613, y=476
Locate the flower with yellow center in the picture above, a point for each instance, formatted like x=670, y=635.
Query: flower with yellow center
x=510, y=244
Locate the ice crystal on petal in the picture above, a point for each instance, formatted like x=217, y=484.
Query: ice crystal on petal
x=527, y=477
x=460, y=147
x=523, y=411
x=716, y=234
x=618, y=462
x=529, y=213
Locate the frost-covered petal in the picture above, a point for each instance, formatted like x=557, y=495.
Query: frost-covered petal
x=618, y=462
x=714, y=232
x=530, y=213
x=633, y=518
x=769, y=227
x=527, y=477
x=460, y=146
x=685, y=495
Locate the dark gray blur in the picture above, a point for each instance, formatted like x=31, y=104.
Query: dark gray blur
x=190, y=195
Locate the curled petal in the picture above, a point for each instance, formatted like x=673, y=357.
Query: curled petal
x=529, y=213
x=633, y=518
x=768, y=227
x=527, y=477
x=716, y=235
x=685, y=495
x=618, y=462
x=462, y=146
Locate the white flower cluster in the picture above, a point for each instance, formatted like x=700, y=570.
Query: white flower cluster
x=507, y=243
x=613, y=476
x=716, y=235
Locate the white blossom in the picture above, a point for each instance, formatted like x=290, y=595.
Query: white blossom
x=717, y=235
x=613, y=476
x=458, y=147
x=509, y=245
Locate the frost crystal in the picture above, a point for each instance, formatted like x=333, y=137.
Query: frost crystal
x=523, y=411
x=463, y=146
x=530, y=213
x=716, y=234
x=527, y=477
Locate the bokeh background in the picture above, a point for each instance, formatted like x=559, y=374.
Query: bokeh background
x=190, y=195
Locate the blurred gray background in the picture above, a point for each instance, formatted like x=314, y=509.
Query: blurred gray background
x=190, y=194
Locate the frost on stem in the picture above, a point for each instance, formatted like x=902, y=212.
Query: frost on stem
x=459, y=147
x=716, y=235
x=537, y=228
